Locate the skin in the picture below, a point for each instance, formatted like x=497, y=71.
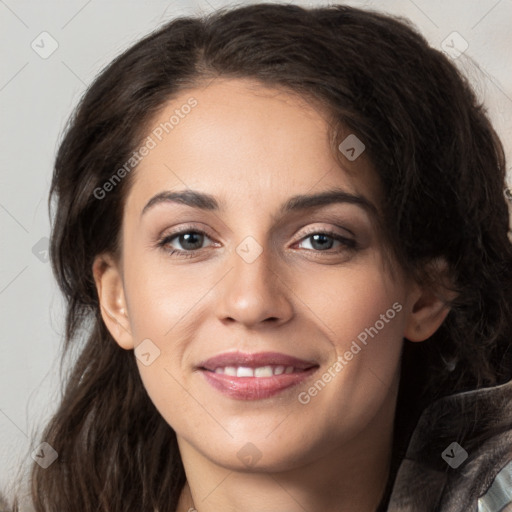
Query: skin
x=253, y=148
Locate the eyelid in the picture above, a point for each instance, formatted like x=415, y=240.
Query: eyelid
x=186, y=228
x=327, y=230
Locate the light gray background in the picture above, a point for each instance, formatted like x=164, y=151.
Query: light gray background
x=36, y=97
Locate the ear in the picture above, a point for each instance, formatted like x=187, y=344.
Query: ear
x=109, y=284
x=429, y=305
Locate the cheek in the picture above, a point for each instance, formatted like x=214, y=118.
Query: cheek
x=164, y=303
x=355, y=301
x=160, y=295
x=360, y=312
x=160, y=307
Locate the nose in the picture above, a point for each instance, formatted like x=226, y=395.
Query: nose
x=253, y=293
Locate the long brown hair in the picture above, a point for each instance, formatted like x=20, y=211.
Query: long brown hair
x=439, y=161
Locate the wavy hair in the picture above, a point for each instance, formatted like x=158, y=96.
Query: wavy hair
x=439, y=162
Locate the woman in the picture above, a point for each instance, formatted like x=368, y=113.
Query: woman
x=284, y=236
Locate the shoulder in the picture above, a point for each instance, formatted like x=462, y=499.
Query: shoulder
x=460, y=455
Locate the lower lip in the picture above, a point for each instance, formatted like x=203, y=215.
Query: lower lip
x=255, y=388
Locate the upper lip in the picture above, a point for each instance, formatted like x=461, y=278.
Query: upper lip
x=254, y=360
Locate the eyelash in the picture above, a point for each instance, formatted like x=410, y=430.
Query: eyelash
x=348, y=244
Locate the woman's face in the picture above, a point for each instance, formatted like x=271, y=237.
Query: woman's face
x=253, y=276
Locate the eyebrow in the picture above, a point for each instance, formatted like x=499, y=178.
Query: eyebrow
x=299, y=202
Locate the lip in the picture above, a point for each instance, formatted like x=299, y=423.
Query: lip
x=255, y=388
x=254, y=360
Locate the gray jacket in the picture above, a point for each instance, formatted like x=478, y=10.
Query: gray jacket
x=448, y=470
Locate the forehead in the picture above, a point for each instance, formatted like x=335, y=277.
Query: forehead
x=242, y=141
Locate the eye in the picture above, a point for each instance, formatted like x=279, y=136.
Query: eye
x=322, y=241
x=190, y=240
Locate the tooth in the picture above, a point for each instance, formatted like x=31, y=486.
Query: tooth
x=219, y=370
x=263, y=371
x=289, y=369
x=242, y=371
x=278, y=370
x=230, y=370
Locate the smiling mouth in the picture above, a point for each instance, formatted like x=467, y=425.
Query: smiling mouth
x=250, y=387
x=243, y=376
x=259, y=372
